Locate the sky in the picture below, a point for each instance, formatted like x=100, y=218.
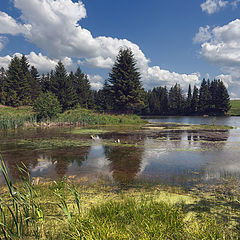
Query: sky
x=173, y=41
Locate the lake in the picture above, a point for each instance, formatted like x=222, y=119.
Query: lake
x=128, y=155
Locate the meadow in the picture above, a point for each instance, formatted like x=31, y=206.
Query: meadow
x=235, y=109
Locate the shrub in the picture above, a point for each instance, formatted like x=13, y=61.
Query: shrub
x=47, y=106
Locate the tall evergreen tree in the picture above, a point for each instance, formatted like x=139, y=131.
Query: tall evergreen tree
x=195, y=101
x=124, y=83
x=188, y=101
x=82, y=87
x=34, y=83
x=2, y=79
x=222, y=101
x=176, y=100
x=204, y=97
x=62, y=87
x=16, y=88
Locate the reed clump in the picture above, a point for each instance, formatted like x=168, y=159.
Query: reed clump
x=83, y=117
x=12, y=118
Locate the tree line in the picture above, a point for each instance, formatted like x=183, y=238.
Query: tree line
x=122, y=92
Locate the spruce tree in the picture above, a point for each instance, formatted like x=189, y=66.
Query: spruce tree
x=2, y=80
x=204, y=97
x=222, y=102
x=189, y=100
x=16, y=88
x=82, y=87
x=176, y=100
x=34, y=83
x=124, y=83
x=62, y=87
x=195, y=101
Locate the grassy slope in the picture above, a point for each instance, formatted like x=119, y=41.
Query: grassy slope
x=235, y=109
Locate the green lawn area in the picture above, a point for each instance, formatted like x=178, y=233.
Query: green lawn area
x=235, y=109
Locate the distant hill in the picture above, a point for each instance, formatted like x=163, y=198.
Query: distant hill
x=235, y=109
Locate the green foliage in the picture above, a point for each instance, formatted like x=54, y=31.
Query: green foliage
x=47, y=106
x=81, y=86
x=124, y=83
x=23, y=216
x=15, y=90
x=176, y=100
x=85, y=117
x=11, y=118
x=62, y=86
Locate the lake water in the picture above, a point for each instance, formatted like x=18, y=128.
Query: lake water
x=175, y=157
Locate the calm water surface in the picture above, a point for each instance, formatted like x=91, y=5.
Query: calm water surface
x=168, y=157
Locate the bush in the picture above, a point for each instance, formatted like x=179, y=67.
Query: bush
x=47, y=106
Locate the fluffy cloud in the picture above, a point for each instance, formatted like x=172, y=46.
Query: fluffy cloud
x=96, y=81
x=203, y=35
x=3, y=41
x=54, y=26
x=212, y=6
x=223, y=49
x=42, y=63
x=154, y=76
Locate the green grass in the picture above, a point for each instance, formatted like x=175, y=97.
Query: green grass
x=64, y=210
x=235, y=109
x=11, y=118
x=83, y=117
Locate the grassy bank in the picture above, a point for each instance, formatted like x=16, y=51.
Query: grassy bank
x=11, y=118
x=235, y=109
x=66, y=210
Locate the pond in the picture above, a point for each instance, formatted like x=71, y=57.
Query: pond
x=127, y=155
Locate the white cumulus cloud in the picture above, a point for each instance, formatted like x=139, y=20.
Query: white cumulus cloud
x=42, y=63
x=212, y=6
x=223, y=49
x=54, y=26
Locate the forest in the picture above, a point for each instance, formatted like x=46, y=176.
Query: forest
x=21, y=85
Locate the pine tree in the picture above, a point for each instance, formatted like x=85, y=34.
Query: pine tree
x=62, y=87
x=2, y=80
x=204, y=97
x=195, y=101
x=34, y=83
x=124, y=83
x=189, y=100
x=222, y=101
x=176, y=100
x=82, y=87
x=16, y=88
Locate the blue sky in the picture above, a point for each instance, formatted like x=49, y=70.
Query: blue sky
x=173, y=41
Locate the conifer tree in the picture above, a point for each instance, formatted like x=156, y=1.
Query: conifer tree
x=34, y=83
x=176, y=100
x=82, y=87
x=204, y=97
x=189, y=100
x=2, y=79
x=195, y=100
x=124, y=83
x=62, y=87
x=16, y=87
x=222, y=101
